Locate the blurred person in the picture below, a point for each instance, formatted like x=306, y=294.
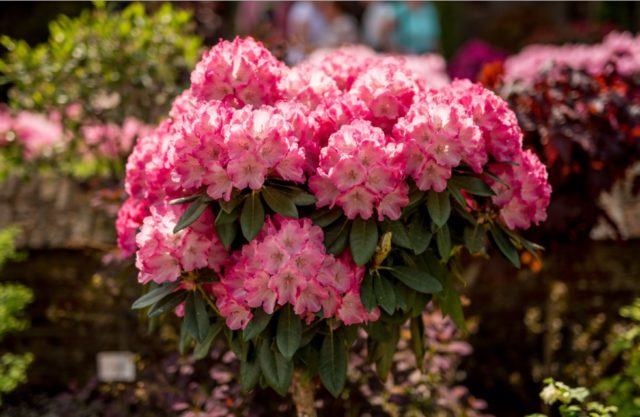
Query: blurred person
x=342, y=28
x=306, y=26
x=417, y=27
x=377, y=25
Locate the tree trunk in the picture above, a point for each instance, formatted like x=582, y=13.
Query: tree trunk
x=303, y=392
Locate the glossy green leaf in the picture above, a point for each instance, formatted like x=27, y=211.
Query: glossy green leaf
x=276, y=369
x=289, y=332
x=249, y=375
x=363, y=239
x=474, y=239
x=419, y=233
x=505, y=246
x=399, y=234
x=449, y=302
x=417, y=339
x=252, y=216
x=196, y=317
x=192, y=213
x=227, y=234
x=418, y=280
x=279, y=202
x=325, y=216
x=385, y=296
x=168, y=303
x=336, y=236
x=202, y=349
x=333, y=363
x=472, y=185
x=224, y=217
x=256, y=325
x=443, y=240
x=439, y=207
x=155, y=295
x=367, y=296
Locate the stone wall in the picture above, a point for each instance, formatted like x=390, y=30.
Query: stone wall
x=55, y=212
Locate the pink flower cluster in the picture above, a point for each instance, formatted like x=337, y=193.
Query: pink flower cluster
x=112, y=140
x=361, y=169
x=287, y=264
x=352, y=131
x=222, y=149
x=238, y=73
x=163, y=255
x=37, y=134
x=524, y=193
x=623, y=49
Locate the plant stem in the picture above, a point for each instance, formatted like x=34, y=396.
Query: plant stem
x=303, y=392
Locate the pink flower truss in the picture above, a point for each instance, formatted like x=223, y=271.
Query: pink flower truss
x=287, y=264
x=240, y=72
x=361, y=169
x=164, y=255
x=524, y=194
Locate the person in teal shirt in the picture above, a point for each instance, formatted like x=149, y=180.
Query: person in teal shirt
x=417, y=27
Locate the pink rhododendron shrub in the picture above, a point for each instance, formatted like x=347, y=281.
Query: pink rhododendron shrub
x=62, y=140
x=292, y=207
x=621, y=49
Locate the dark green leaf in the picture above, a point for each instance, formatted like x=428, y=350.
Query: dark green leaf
x=419, y=233
x=168, y=303
x=443, y=239
x=449, y=302
x=202, y=349
x=252, y=216
x=457, y=195
x=249, y=375
x=378, y=331
x=439, y=207
x=289, y=332
x=155, y=295
x=363, y=239
x=434, y=266
x=419, y=303
x=333, y=363
x=279, y=202
x=184, y=199
x=402, y=292
x=472, y=185
x=192, y=213
x=367, y=296
x=506, y=247
x=196, y=317
x=325, y=216
x=385, y=295
x=257, y=324
x=297, y=195
x=417, y=340
x=416, y=279
x=276, y=369
x=224, y=217
x=474, y=239
x=231, y=205
x=399, y=234
x=384, y=354
x=227, y=234
x=336, y=237
x=185, y=339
